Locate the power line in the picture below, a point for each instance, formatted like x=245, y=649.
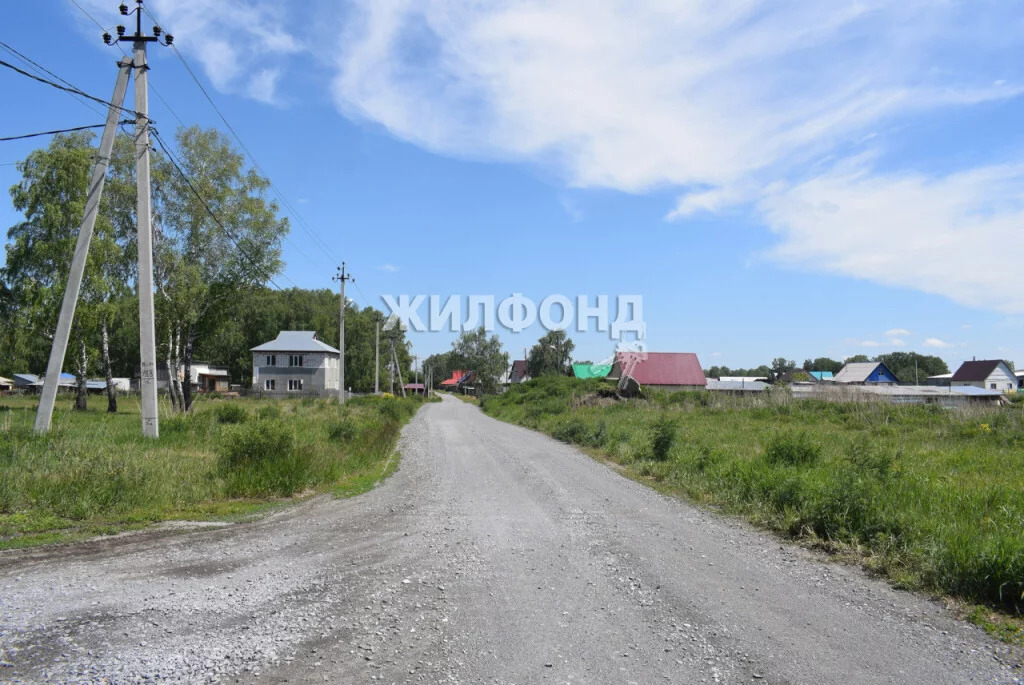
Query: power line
x=302, y=222
x=41, y=70
x=67, y=89
x=125, y=53
x=51, y=133
x=174, y=162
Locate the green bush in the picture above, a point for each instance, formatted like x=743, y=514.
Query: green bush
x=794, y=448
x=342, y=430
x=662, y=437
x=258, y=442
x=389, y=409
x=269, y=411
x=230, y=413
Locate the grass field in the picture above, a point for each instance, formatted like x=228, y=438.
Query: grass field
x=94, y=473
x=931, y=498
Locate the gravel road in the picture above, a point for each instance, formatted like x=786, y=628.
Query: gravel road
x=493, y=555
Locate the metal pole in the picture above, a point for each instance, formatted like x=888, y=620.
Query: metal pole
x=376, y=361
x=147, y=324
x=44, y=414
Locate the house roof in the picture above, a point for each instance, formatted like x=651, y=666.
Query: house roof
x=519, y=368
x=32, y=379
x=663, y=368
x=591, y=370
x=747, y=386
x=976, y=370
x=295, y=341
x=856, y=372
x=822, y=375
x=413, y=386
x=457, y=377
x=6, y=381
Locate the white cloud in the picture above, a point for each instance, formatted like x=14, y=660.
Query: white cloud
x=966, y=327
x=935, y=342
x=907, y=230
x=731, y=102
x=896, y=332
x=570, y=207
x=897, y=342
x=390, y=268
x=239, y=44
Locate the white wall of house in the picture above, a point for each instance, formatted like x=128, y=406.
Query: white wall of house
x=297, y=372
x=1001, y=379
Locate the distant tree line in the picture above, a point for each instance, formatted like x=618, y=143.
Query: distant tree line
x=212, y=303
x=908, y=367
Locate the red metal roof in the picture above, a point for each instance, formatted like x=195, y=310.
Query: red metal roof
x=664, y=368
x=457, y=376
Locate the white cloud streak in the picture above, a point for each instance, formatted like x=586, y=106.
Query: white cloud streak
x=732, y=102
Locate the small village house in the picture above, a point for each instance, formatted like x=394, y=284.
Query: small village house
x=518, y=372
x=296, y=362
x=205, y=377
x=6, y=384
x=989, y=374
x=866, y=373
x=670, y=371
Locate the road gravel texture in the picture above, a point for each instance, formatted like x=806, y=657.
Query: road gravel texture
x=493, y=555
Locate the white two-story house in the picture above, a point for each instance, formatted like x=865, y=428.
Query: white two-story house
x=296, y=362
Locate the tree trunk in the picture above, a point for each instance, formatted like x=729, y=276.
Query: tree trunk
x=82, y=395
x=170, y=371
x=111, y=392
x=178, y=394
x=187, y=383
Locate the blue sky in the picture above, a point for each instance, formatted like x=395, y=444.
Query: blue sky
x=800, y=179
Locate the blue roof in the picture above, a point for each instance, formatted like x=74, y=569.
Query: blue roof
x=822, y=375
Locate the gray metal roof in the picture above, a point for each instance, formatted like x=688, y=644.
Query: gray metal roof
x=295, y=341
x=856, y=372
x=750, y=386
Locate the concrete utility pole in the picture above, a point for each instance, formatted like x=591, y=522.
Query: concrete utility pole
x=147, y=319
x=44, y=414
x=342, y=277
x=376, y=360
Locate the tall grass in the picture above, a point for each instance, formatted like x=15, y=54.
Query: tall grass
x=932, y=498
x=95, y=470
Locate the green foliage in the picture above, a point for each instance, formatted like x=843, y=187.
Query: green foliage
x=342, y=430
x=552, y=355
x=795, y=448
x=230, y=412
x=902, y=365
x=476, y=351
x=96, y=469
x=663, y=437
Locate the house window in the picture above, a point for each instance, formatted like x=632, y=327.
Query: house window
x=269, y=384
x=992, y=386
x=271, y=360
x=295, y=384
x=295, y=360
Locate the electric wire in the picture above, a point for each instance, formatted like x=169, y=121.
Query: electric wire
x=125, y=53
x=67, y=89
x=51, y=133
x=174, y=162
x=41, y=71
x=284, y=200
x=280, y=195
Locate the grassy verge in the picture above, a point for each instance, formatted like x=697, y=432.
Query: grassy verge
x=930, y=498
x=95, y=474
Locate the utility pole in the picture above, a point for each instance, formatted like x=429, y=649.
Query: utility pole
x=44, y=414
x=376, y=360
x=342, y=277
x=147, y=323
